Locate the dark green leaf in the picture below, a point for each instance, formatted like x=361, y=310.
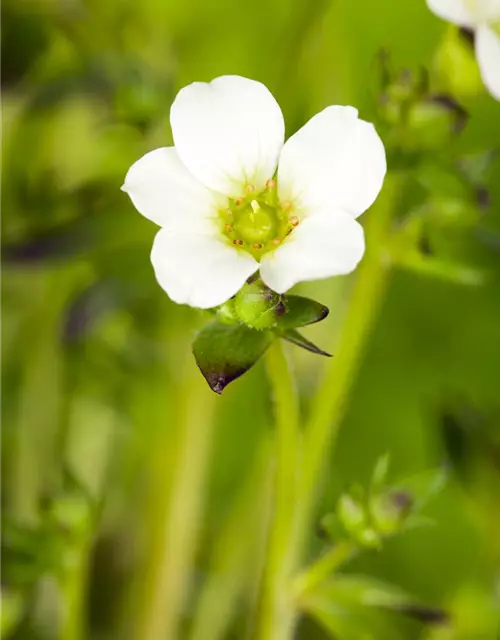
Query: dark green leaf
x=225, y=352
x=301, y=311
x=293, y=336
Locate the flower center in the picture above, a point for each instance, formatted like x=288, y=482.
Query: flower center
x=258, y=223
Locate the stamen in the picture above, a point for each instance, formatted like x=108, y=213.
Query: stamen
x=238, y=201
x=257, y=245
x=228, y=228
x=286, y=205
x=249, y=188
x=276, y=241
x=270, y=184
x=238, y=242
x=229, y=213
x=294, y=221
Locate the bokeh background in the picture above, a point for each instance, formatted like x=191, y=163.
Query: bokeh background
x=110, y=434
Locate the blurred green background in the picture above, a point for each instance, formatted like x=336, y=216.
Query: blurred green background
x=111, y=437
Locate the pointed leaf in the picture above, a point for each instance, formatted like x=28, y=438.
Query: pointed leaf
x=301, y=311
x=225, y=352
x=293, y=336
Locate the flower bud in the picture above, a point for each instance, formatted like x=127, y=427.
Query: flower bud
x=388, y=511
x=432, y=122
x=258, y=306
x=351, y=513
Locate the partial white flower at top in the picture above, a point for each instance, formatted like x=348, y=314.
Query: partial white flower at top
x=483, y=16
x=232, y=198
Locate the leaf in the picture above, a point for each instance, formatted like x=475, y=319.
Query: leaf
x=351, y=606
x=380, y=473
x=293, y=336
x=225, y=352
x=423, y=486
x=301, y=312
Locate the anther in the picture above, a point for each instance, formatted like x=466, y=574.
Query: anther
x=238, y=201
x=255, y=206
x=238, y=242
x=276, y=241
x=270, y=184
x=229, y=213
x=228, y=228
x=294, y=221
x=249, y=188
x=257, y=245
x=286, y=205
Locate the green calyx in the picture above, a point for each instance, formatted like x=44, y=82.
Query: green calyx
x=246, y=324
x=258, y=223
x=257, y=306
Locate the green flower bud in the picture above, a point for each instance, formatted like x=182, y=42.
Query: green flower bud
x=390, y=510
x=456, y=67
x=352, y=514
x=432, y=122
x=258, y=306
x=369, y=538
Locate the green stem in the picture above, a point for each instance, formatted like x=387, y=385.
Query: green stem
x=173, y=521
x=277, y=609
x=324, y=567
x=329, y=406
x=74, y=589
x=328, y=409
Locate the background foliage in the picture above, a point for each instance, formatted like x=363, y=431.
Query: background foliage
x=110, y=435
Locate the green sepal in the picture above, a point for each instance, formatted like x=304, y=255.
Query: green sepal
x=300, y=312
x=293, y=336
x=224, y=352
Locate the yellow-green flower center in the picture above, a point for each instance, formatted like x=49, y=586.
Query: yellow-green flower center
x=258, y=223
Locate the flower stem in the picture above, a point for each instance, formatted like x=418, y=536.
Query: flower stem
x=325, y=566
x=277, y=611
x=74, y=590
x=329, y=406
x=289, y=535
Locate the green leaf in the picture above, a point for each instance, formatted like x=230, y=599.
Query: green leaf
x=293, y=336
x=380, y=473
x=300, y=312
x=355, y=606
x=225, y=352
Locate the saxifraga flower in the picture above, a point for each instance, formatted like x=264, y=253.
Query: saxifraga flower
x=231, y=197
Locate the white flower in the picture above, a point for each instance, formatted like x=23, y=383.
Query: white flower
x=483, y=16
x=232, y=198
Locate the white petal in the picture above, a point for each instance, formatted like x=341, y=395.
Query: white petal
x=326, y=244
x=488, y=57
x=455, y=11
x=334, y=161
x=228, y=132
x=487, y=10
x=164, y=191
x=199, y=269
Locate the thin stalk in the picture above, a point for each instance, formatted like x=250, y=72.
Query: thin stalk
x=277, y=616
x=328, y=408
x=176, y=510
x=324, y=567
x=74, y=589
